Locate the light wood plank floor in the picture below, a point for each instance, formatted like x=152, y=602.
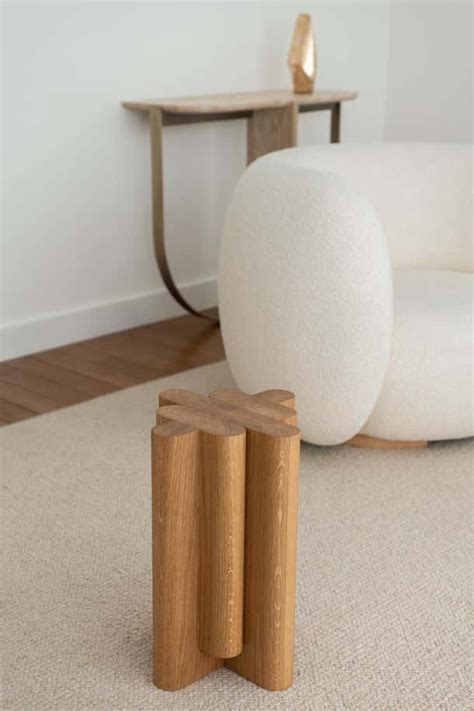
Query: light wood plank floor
x=46, y=381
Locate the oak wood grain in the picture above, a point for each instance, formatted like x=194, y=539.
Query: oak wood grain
x=206, y=421
x=247, y=452
x=278, y=404
x=271, y=504
x=279, y=397
x=178, y=660
x=233, y=411
x=222, y=519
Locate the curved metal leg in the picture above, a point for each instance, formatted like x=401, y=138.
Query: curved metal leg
x=158, y=221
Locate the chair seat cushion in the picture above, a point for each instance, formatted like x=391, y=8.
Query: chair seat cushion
x=427, y=391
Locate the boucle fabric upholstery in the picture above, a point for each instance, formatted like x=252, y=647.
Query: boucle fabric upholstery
x=283, y=282
x=422, y=193
x=428, y=388
x=383, y=589
x=306, y=286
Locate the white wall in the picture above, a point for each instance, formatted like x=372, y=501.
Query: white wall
x=429, y=82
x=77, y=256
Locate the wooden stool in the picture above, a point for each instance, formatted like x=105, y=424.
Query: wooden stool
x=224, y=501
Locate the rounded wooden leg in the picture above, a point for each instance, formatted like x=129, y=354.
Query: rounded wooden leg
x=270, y=561
x=177, y=659
x=222, y=522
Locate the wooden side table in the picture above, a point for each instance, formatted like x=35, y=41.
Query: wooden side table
x=225, y=474
x=271, y=125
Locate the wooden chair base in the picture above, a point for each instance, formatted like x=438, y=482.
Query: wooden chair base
x=375, y=443
x=224, y=500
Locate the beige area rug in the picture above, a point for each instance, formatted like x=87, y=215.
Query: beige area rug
x=383, y=564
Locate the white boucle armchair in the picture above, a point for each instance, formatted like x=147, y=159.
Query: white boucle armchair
x=346, y=276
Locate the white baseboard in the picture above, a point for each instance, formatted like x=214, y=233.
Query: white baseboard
x=19, y=338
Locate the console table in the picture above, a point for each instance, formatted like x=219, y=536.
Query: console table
x=271, y=125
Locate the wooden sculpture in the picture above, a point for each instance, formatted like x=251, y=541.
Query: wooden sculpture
x=224, y=516
x=302, y=56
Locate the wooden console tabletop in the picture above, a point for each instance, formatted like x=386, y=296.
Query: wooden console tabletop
x=208, y=108
x=271, y=116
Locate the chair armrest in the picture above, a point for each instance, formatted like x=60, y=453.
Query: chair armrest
x=305, y=295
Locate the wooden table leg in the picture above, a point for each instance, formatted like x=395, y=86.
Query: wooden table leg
x=156, y=125
x=270, y=561
x=336, y=123
x=222, y=532
x=178, y=659
x=271, y=130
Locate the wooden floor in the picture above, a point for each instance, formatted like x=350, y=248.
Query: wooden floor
x=46, y=381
